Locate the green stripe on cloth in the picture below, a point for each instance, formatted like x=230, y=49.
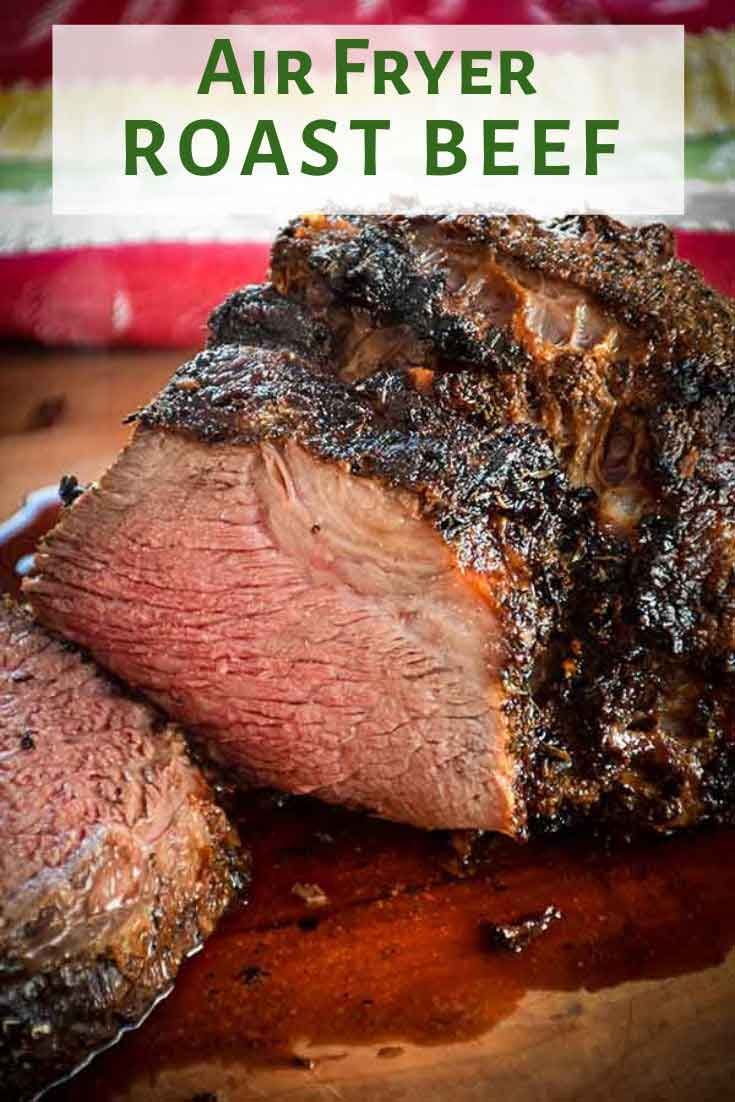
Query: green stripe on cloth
x=25, y=176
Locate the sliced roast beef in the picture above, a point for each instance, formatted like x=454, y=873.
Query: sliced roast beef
x=115, y=861
x=457, y=546
x=599, y=335
x=341, y=602
x=391, y=609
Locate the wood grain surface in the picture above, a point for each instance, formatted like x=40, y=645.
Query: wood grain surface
x=62, y=412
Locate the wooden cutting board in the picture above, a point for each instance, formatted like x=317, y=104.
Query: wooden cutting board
x=396, y=987
x=390, y=982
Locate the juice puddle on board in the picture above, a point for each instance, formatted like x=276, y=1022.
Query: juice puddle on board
x=403, y=952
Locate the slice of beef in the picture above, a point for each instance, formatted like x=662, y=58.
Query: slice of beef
x=115, y=861
x=342, y=602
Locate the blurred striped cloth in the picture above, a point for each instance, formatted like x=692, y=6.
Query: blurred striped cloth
x=95, y=281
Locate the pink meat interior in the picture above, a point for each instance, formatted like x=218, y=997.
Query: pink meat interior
x=312, y=625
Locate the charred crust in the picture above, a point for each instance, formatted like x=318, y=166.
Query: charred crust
x=633, y=272
x=69, y=489
x=258, y=315
x=373, y=268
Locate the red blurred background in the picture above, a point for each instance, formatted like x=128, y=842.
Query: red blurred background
x=25, y=38
x=160, y=292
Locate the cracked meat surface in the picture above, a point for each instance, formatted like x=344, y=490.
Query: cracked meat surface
x=115, y=862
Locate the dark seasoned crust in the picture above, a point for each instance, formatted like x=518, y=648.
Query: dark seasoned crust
x=630, y=729
x=116, y=861
x=580, y=324
x=397, y=264
x=685, y=583
x=369, y=267
x=258, y=315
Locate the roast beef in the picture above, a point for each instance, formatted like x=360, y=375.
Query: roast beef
x=115, y=862
x=598, y=334
x=441, y=525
